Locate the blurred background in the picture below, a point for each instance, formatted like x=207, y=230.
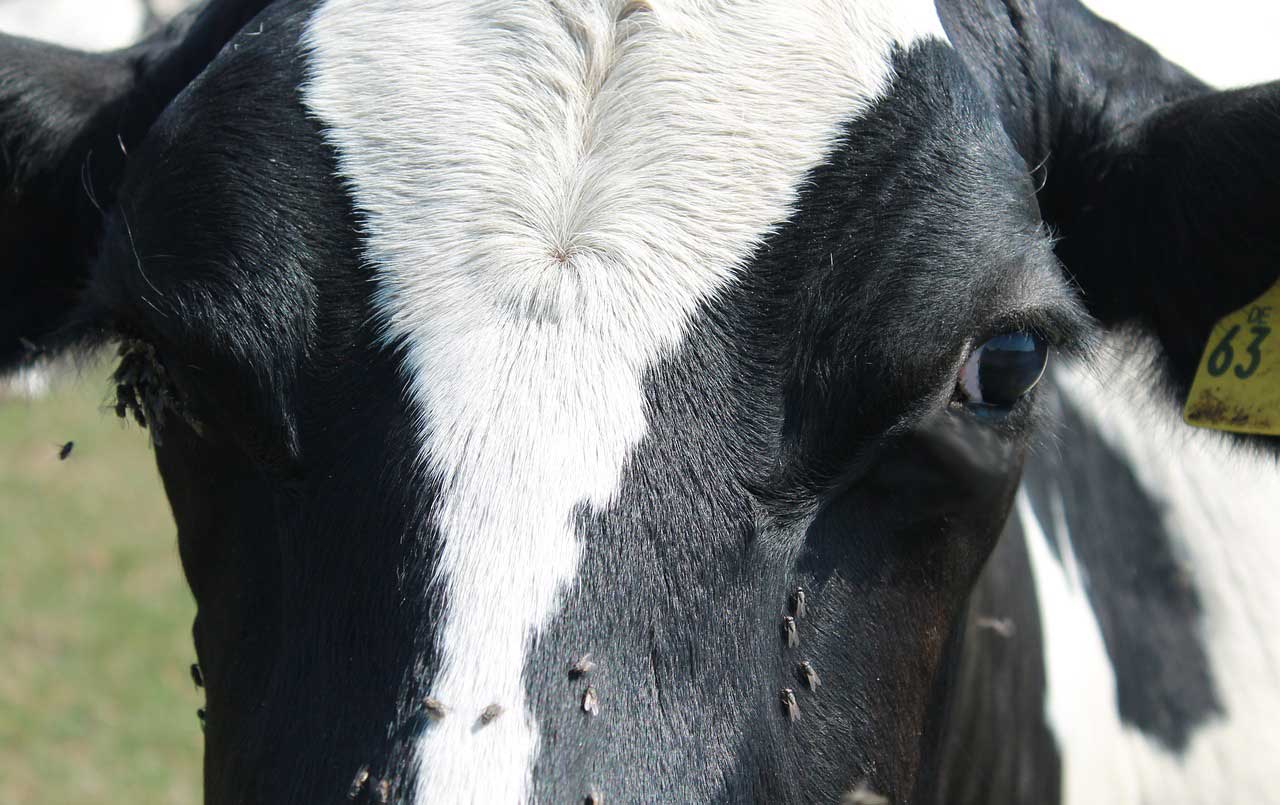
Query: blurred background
x=96, y=703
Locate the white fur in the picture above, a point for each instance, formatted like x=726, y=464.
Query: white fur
x=548, y=193
x=1219, y=505
x=96, y=25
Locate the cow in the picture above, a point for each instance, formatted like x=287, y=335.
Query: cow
x=673, y=401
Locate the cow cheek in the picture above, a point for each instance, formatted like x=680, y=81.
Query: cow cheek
x=943, y=492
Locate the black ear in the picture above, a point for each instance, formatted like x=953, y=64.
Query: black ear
x=67, y=122
x=1164, y=192
x=1175, y=219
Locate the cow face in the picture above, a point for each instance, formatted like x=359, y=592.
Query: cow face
x=568, y=400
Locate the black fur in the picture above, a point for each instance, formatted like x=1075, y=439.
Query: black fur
x=67, y=122
x=998, y=748
x=302, y=518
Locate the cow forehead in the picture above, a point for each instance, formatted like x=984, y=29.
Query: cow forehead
x=555, y=157
x=548, y=191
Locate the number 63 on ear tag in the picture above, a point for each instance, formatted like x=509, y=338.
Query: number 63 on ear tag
x=1237, y=387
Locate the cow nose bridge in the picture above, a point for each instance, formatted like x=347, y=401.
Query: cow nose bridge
x=390, y=777
x=588, y=688
x=498, y=725
x=607, y=691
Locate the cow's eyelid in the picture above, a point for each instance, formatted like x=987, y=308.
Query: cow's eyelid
x=1067, y=328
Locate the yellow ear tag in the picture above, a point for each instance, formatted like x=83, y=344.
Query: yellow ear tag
x=1238, y=385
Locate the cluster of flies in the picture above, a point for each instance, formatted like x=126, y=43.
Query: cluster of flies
x=437, y=711
x=590, y=703
x=197, y=677
x=808, y=675
x=139, y=393
x=145, y=391
x=798, y=606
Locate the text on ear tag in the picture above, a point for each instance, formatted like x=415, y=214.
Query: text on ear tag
x=1237, y=387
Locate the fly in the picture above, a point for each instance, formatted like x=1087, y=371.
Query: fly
x=799, y=603
x=582, y=667
x=358, y=782
x=435, y=708
x=789, y=632
x=490, y=714
x=789, y=704
x=810, y=675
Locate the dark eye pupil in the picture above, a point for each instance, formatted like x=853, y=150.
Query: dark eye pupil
x=1007, y=367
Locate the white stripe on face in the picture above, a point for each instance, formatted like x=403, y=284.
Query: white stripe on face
x=549, y=190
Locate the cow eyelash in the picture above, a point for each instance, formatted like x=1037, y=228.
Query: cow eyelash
x=1055, y=313
x=1068, y=332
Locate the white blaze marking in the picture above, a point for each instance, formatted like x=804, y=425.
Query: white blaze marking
x=1219, y=503
x=548, y=194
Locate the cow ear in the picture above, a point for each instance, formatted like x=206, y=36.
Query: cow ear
x=1164, y=193
x=1172, y=219
x=67, y=122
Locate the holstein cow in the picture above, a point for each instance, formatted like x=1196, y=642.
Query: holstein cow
x=627, y=400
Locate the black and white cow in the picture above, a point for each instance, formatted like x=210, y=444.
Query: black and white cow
x=627, y=400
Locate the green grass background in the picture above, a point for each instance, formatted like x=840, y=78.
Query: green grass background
x=96, y=704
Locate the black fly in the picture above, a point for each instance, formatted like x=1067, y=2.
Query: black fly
x=789, y=633
x=357, y=783
x=582, y=667
x=490, y=713
x=810, y=675
x=799, y=603
x=435, y=708
x=789, y=704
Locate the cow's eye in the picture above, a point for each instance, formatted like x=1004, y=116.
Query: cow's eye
x=1002, y=370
